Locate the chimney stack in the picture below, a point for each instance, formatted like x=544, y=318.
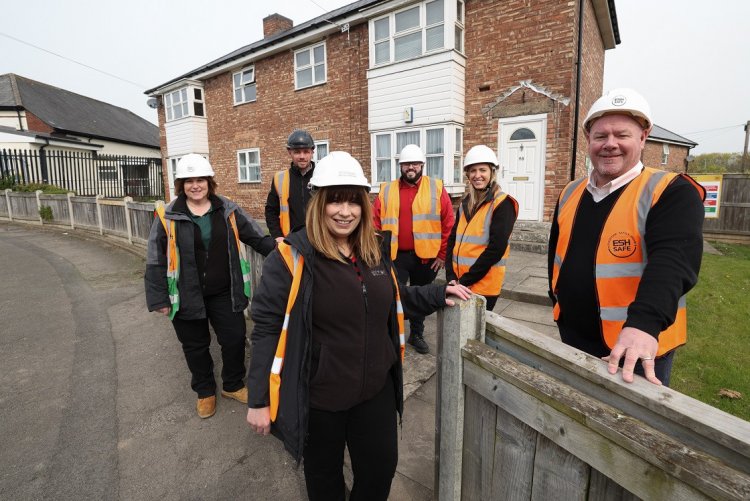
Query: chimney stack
x=276, y=23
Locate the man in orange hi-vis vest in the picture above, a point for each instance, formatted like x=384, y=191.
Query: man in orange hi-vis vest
x=625, y=247
x=287, y=200
x=417, y=211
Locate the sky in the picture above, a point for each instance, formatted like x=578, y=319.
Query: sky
x=689, y=58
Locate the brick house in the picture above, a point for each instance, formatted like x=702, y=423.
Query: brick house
x=666, y=150
x=375, y=75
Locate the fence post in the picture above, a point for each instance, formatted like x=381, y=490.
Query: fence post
x=456, y=325
x=128, y=225
x=99, y=214
x=39, y=205
x=70, y=209
x=8, y=191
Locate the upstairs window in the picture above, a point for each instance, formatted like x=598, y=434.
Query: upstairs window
x=409, y=33
x=185, y=102
x=459, y=29
x=310, y=66
x=244, y=86
x=665, y=154
x=321, y=150
x=176, y=104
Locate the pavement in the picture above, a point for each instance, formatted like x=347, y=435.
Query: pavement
x=95, y=398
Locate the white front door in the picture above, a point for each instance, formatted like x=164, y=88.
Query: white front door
x=521, y=173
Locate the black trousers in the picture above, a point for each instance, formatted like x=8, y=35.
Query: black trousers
x=410, y=270
x=195, y=337
x=491, y=302
x=369, y=431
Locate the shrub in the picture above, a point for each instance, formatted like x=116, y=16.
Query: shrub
x=45, y=212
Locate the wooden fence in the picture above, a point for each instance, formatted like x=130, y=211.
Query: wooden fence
x=733, y=223
x=523, y=416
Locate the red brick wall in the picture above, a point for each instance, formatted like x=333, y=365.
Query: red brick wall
x=506, y=43
x=335, y=111
x=35, y=124
x=652, y=153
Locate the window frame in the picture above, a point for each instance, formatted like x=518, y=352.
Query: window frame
x=187, y=102
x=665, y=154
x=312, y=65
x=459, y=27
x=421, y=28
x=318, y=145
x=247, y=152
x=244, y=85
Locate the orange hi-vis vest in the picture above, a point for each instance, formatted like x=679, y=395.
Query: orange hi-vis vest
x=295, y=263
x=472, y=238
x=425, y=214
x=281, y=183
x=621, y=254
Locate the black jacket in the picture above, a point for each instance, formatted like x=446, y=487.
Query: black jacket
x=195, y=261
x=299, y=196
x=267, y=311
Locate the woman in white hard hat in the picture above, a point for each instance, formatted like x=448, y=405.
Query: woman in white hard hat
x=197, y=272
x=328, y=339
x=478, y=245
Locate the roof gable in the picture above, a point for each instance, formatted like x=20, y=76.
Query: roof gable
x=662, y=135
x=69, y=112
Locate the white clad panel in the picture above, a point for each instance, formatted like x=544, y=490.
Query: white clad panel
x=189, y=135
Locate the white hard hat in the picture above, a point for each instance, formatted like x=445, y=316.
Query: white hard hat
x=480, y=154
x=338, y=168
x=411, y=153
x=621, y=101
x=193, y=165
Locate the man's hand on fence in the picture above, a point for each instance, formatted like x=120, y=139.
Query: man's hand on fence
x=633, y=344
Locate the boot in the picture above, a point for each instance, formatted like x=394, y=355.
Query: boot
x=239, y=395
x=419, y=344
x=206, y=407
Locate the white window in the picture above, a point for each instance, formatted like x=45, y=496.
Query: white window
x=442, y=146
x=665, y=154
x=176, y=104
x=458, y=152
x=184, y=102
x=198, y=109
x=244, y=85
x=310, y=66
x=108, y=172
x=459, y=31
x=321, y=150
x=248, y=166
x=409, y=33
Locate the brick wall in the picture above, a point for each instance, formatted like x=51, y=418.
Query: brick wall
x=652, y=153
x=506, y=43
x=335, y=111
x=35, y=124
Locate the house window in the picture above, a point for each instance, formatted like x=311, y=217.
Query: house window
x=459, y=30
x=184, y=102
x=244, y=85
x=409, y=33
x=665, y=154
x=441, y=145
x=457, y=154
x=310, y=66
x=321, y=150
x=176, y=104
x=198, y=109
x=522, y=134
x=248, y=166
x=108, y=172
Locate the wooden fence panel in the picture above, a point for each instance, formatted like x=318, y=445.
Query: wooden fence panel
x=84, y=212
x=141, y=219
x=59, y=206
x=734, y=207
x=113, y=216
x=24, y=206
x=3, y=204
x=478, y=453
x=515, y=447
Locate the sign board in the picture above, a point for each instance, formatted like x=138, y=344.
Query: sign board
x=712, y=184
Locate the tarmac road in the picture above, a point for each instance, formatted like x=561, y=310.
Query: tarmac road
x=95, y=401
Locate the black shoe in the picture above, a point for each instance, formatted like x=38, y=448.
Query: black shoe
x=419, y=344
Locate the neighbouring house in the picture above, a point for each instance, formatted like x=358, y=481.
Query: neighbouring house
x=49, y=134
x=667, y=150
x=375, y=75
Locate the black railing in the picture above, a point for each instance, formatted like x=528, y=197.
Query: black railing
x=85, y=173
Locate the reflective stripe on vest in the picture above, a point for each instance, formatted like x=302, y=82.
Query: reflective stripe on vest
x=281, y=183
x=425, y=216
x=295, y=263
x=472, y=238
x=244, y=265
x=173, y=261
x=621, y=253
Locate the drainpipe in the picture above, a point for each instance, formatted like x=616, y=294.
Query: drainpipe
x=43, y=162
x=20, y=119
x=578, y=91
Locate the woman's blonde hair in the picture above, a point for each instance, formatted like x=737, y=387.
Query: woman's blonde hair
x=363, y=240
x=475, y=196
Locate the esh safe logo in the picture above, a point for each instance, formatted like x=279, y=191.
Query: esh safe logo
x=621, y=244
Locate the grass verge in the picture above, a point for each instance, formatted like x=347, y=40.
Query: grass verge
x=716, y=356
